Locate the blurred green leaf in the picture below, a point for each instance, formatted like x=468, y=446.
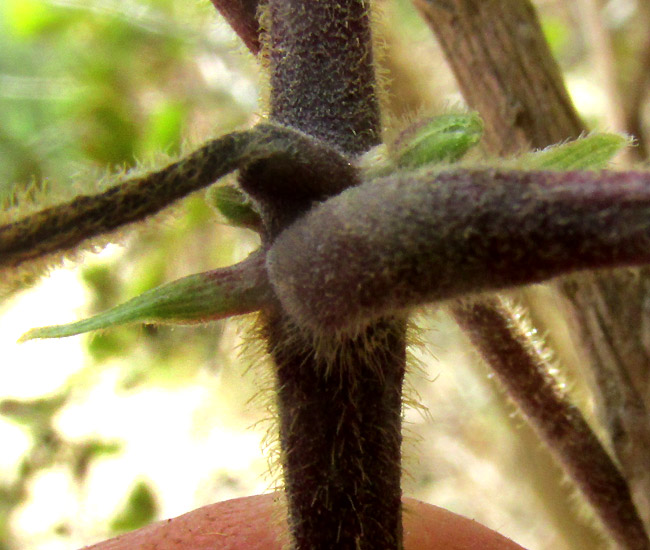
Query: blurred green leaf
x=557, y=33
x=107, y=345
x=90, y=450
x=33, y=412
x=27, y=18
x=140, y=509
x=164, y=128
x=100, y=279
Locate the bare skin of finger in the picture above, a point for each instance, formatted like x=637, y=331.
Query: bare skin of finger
x=250, y=523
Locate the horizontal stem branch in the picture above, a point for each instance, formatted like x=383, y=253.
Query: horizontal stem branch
x=504, y=66
x=420, y=237
x=64, y=226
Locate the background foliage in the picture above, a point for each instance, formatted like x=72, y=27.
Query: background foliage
x=106, y=433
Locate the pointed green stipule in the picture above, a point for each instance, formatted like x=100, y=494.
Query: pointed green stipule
x=443, y=138
x=439, y=139
x=592, y=152
x=235, y=290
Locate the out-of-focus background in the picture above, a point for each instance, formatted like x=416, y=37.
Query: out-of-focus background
x=101, y=434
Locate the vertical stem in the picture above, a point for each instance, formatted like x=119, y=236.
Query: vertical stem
x=339, y=397
x=505, y=70
x=637, y=88
x=340, y=420
x=603, y=61
x=322, y=73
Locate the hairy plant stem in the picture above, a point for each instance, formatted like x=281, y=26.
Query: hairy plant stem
x=64, y=226
x=420, y=237
x=525, y=375
x=504, y=67
x=340, y=430
x=322, y=72
x=339, y=398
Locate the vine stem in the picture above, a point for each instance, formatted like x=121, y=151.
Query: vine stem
x=524, y=373
x=339, y=398
x=64, y=226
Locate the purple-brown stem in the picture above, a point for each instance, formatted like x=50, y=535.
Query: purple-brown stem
x=420, y=237
x=64, y=226
x=242, y=17
x=526, y=378
x=322, y=73
x=339, y=399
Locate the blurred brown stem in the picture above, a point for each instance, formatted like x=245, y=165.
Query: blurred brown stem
x=640, y=82
x=503, y=66
x=599, y=40
x=505, y=71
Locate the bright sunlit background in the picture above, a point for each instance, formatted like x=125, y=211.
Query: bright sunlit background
x=105, y=433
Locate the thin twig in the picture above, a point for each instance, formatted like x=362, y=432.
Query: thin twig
x=242, y=17
x=524, y=373
x=64, y=226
